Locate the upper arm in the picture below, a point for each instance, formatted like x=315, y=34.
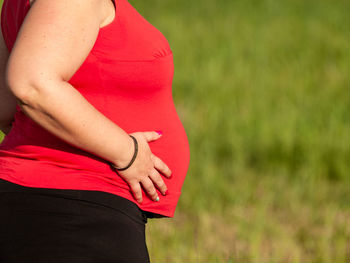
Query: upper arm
x=54, y=40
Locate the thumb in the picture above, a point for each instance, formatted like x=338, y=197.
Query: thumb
x=152, y=135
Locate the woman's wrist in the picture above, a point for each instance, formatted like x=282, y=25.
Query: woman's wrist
x=126, y=155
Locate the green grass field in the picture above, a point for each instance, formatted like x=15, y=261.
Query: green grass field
x=263, y=90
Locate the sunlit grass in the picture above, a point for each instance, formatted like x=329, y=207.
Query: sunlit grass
x=262, y=88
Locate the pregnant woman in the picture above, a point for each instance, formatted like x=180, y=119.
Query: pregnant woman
x=94, y=146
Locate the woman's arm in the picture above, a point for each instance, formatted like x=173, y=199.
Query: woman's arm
x=7, y=100
x=54, y=40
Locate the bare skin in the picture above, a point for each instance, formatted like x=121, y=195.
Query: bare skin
x=60, y=35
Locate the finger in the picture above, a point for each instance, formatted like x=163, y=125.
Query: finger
x=151, y=135
x=150, y=189
x=136, y=189
x=161, y=166
x=158, y=181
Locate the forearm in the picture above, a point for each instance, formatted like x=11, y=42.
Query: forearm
x=64, y=112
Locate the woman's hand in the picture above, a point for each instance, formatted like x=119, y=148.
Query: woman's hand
x=143, y=170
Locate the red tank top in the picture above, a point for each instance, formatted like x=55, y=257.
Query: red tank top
x=127, y=76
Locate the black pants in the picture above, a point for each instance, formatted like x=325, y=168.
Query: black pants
x=69, y=226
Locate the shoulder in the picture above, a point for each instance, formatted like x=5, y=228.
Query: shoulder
x=100, y=9
x=60, y=35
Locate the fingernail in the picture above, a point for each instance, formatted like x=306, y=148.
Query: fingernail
x=171, y=176
x=159, y=132
x=166, y=192
x=140, y=201
x=157, y=199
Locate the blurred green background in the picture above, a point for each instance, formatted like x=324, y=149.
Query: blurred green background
x=263, y=90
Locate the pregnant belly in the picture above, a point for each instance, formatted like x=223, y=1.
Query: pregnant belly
x=32, y=143
x=172, y=147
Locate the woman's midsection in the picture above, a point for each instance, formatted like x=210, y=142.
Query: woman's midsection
x=29, y=141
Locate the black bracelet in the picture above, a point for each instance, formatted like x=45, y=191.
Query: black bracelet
x=133, y=158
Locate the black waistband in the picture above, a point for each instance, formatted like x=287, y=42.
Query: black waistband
x=102, y=198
